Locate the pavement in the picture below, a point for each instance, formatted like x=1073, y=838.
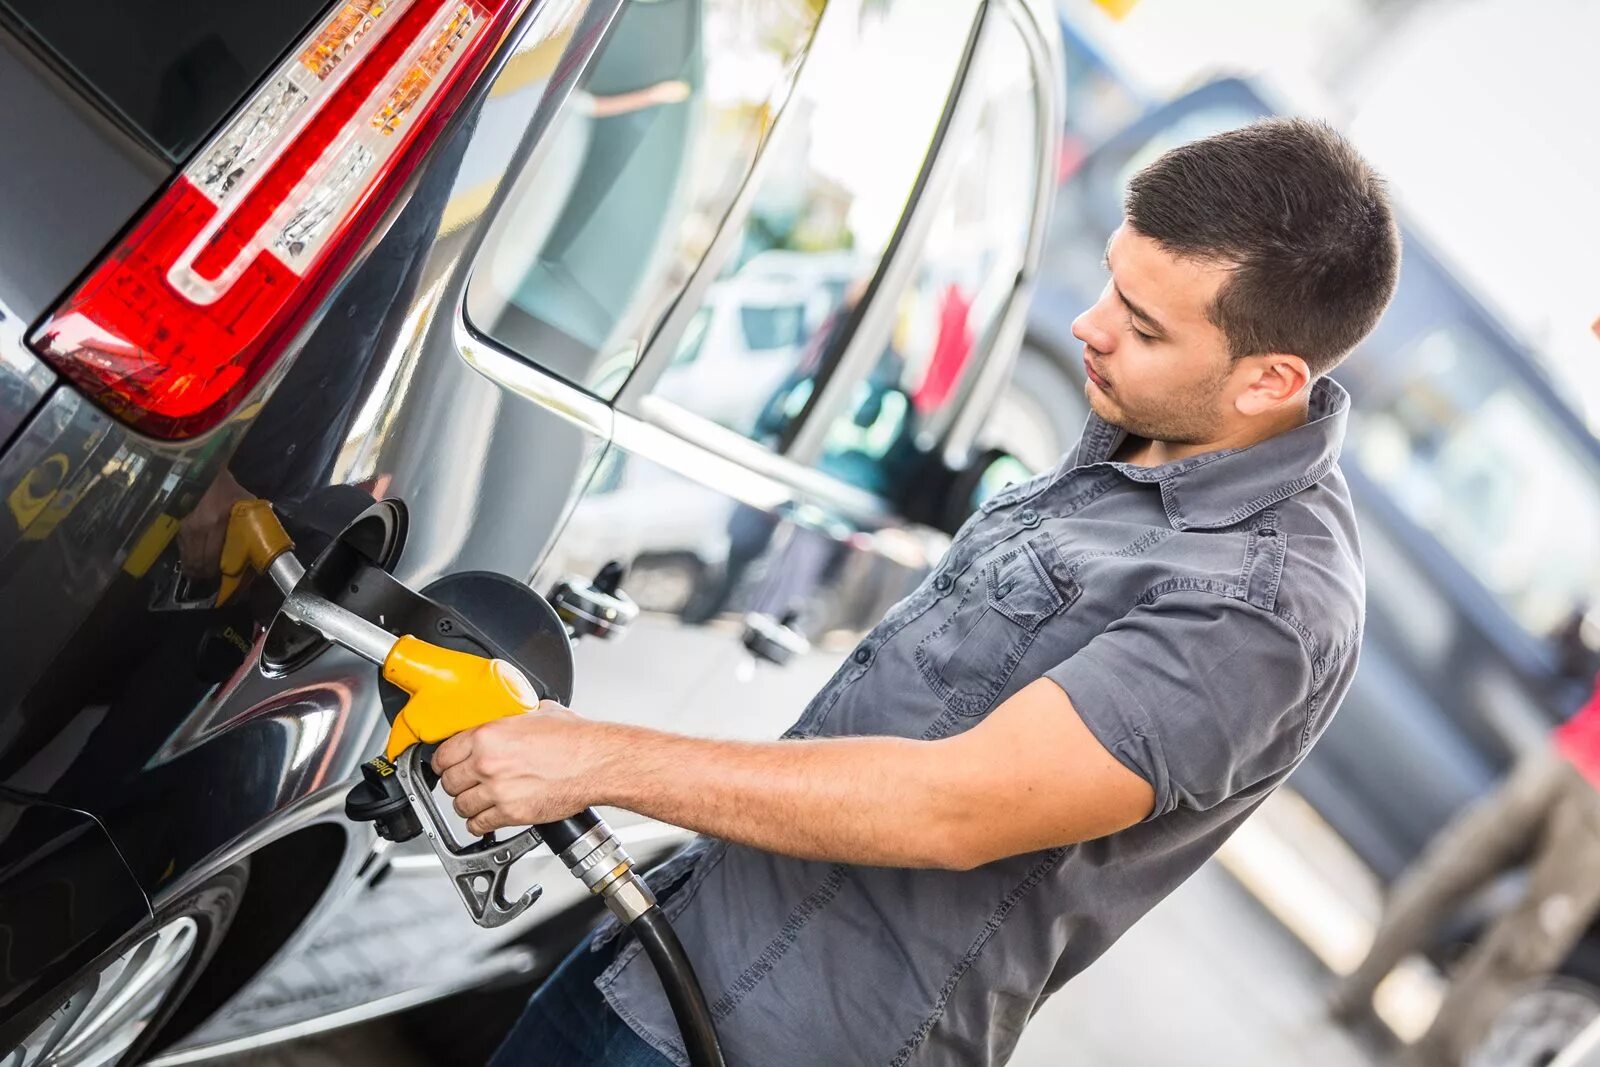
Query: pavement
x=1207, y=977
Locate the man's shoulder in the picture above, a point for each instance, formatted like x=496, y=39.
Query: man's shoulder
x=1322, y=588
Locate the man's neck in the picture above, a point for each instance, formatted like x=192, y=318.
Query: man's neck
x=1145, y=452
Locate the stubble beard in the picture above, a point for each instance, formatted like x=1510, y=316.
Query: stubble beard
x=1190, y=417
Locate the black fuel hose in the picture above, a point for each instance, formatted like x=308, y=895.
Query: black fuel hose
x=688, y=1002
x=661, y=944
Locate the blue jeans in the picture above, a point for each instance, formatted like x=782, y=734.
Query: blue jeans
x=569, y=1024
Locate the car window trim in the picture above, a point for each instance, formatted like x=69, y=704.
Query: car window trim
x=981, y=389
x=725, y=460
x=662, y=345
x=873, y=319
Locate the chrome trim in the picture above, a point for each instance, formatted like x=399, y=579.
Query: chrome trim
x=663, y=343
x=899, y=260
x=733, y=464
x=1036, y=20
x=512, y=961
x=515, y=375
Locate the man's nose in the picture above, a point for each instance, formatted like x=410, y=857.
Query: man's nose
x=1088, y=328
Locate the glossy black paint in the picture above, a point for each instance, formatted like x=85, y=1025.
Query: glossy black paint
x=69, y=179
x=65, y=898
x=174, y=70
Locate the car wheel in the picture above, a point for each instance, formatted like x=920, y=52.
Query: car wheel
x=118, y=1004
x=1041, y=412
x=664, y=584
x=1536, y=1026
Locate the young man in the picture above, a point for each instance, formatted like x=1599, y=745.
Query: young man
x=1115, y=663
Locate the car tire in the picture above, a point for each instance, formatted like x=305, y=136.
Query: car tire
x=117, y=1005
x=1534, y=1028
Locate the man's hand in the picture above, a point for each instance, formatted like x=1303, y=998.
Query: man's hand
x=523, y=770
x=202, y=531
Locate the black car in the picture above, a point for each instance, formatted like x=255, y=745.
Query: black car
x=722, y=292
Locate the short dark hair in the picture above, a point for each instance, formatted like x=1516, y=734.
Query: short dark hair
x=1302, y=219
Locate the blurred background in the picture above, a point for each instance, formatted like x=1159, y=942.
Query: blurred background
x=1472, y=454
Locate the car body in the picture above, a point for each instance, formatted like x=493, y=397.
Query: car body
x=488, y=343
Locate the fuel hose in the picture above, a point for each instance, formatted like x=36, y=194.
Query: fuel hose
x=591, y=852
x=450, y=691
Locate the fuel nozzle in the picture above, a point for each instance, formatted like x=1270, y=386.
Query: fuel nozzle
x=450, y=691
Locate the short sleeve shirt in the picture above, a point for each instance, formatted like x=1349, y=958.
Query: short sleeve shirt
x=1204, y=618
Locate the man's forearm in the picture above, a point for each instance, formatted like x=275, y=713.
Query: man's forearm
x=882, y=801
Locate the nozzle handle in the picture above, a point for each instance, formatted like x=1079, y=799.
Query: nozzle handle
x=450, y=691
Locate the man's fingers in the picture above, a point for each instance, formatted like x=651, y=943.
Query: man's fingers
x=199, y=549
x=484, y=821
x=452, y=751
x=473, y=802
x=458, y=779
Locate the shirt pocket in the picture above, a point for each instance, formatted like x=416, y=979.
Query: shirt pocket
x=968, y=659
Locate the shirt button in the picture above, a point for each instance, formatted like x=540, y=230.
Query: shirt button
x=1028, y=517
x=863, y=655
x=942, y=583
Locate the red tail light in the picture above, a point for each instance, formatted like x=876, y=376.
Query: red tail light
x=198, y=300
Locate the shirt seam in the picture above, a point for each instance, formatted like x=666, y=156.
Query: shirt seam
x=992, y=925
x=1302, y=636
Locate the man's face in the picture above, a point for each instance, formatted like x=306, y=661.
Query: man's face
x=1157, y=367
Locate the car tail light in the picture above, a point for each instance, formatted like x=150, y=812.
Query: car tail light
x=195, y=303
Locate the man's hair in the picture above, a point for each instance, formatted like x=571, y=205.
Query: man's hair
x=1302, y=220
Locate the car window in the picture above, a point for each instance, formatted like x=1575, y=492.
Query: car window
x=1471, y=456
x=173, y=68
x=597, y=238
x=828, y=207
x=962, y=283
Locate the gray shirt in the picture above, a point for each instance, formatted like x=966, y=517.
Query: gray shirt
x=1203, y=616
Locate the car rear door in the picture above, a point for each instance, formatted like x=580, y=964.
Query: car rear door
x=849, y=324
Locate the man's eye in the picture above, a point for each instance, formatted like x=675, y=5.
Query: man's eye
x=1141, y=333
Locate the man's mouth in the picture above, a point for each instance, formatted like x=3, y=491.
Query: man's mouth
x=1088, y=369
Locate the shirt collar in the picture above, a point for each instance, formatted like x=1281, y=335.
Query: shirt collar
x=1222, y=488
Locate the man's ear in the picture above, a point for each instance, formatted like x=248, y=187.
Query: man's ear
x=1277, y=379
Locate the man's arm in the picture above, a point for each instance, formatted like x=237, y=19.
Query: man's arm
x=1029, y=776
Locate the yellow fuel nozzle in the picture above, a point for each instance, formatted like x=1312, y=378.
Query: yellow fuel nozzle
x=450, y=692
x=254, y=539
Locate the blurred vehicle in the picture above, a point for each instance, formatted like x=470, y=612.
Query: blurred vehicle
x=1478, y=491
x=462, y=287
x=746, y=338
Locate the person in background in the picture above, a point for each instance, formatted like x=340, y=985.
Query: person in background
x=1546, y=813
